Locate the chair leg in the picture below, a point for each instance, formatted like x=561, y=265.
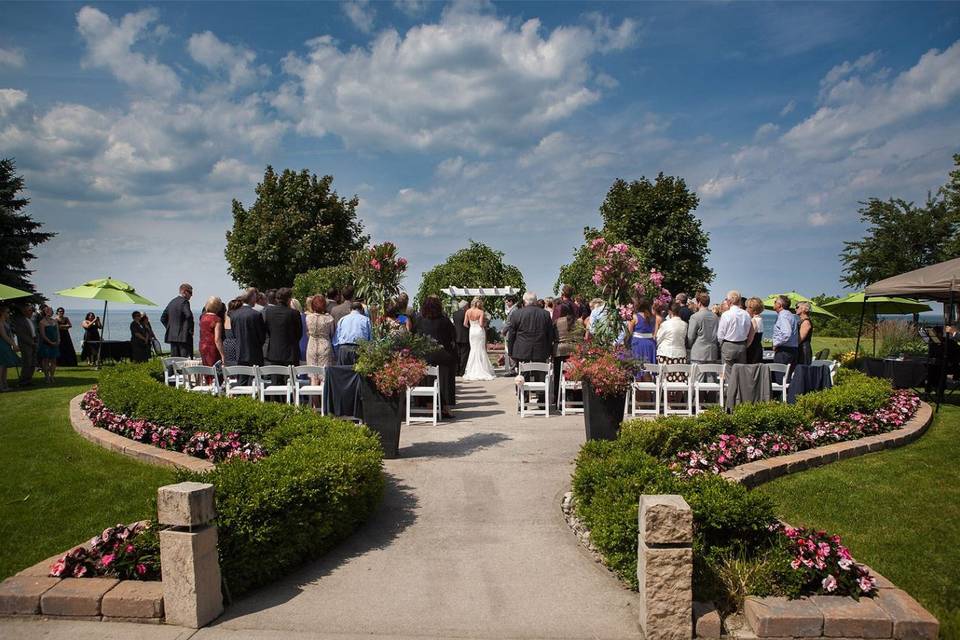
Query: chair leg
x=408, y=406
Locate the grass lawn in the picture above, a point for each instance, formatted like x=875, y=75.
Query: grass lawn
x=898, y=511
x=57, y=489
x=836, y=345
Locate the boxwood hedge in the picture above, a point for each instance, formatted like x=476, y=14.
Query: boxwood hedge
x=322, y=476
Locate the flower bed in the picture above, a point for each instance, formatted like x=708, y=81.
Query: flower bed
x=127, y=553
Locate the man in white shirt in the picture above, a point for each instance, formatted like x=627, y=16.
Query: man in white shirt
x=734, y=332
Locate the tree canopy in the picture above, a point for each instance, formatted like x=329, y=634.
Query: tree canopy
x=657, y=220
x=19, y=233
x=297, y=223
x=902, y=236
x=475, y=266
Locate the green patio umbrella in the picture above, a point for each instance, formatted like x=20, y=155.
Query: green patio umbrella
x=856, y=304
x=9, y=293
x=108, y=290
x=794, y=299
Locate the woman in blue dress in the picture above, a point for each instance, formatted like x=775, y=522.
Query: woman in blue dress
x=48, y=346
x=643, y=327
x=8, y=347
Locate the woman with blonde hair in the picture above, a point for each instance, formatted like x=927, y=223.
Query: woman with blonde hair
x=755, y=348
x=320, y=328
x=211, y=332
x=478, y=362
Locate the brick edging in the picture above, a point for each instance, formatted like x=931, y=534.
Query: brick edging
x=131, y=448
x=753, y=474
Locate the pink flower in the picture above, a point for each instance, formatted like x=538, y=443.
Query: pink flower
x=829, y=583
x=375, y=263
x=141, y=568
x=107, y=559
x=866, y=583
x=402, y=262
x=58, y=567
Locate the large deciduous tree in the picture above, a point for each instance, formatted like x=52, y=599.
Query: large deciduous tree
x=19, y=233
x=657, y=220
x=475, y=266
x=297, y=223
x=902, y=236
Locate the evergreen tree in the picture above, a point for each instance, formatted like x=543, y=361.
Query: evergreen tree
x=19, y=233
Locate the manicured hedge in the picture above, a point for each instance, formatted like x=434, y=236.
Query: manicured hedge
x=322, y=476
x=610, y=476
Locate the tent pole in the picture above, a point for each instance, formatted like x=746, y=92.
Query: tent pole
x=947, y=315
x=863, y=308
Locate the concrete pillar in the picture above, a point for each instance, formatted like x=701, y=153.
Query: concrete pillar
x=665, y=567
x=188, y=554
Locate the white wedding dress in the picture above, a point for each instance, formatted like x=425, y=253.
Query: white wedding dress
x=478, y=364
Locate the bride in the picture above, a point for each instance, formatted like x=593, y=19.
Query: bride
x=478, y=364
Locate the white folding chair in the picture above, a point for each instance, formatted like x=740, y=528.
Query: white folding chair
x=833, y=365
x=784, y=384
x=202, y=379
x=529, y=389
x=666, y=387
x=432, y=391
x=231, y=381
x=707, y=377
x=304, y=387
x=171, y=377
x=569, y=406
x=268, y=388
x=646, y=386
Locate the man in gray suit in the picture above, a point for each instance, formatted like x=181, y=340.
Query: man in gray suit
x=702, y=332
x=26, y=334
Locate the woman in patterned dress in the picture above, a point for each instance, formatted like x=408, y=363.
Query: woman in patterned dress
x=320, y=328
x=672, y=343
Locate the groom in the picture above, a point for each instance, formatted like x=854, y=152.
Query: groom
x=462, y=336
x=532, y=333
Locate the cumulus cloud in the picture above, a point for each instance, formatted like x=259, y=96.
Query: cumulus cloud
x=10, y=99
x=471, y=81
x=12, y=58
x=719, y=186
x=765, y=130
x=360, y=13
x=788, y=108
x=236, y=62
x=818, y=219
x=411, y=7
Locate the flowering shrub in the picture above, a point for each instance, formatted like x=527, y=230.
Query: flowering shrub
x=215, y=447
x=848, y=358
x=377, y=271
x=826, y=565
x=610, y=371
x=127, y=553
x=651, y=286
x=402, y=370
x=729, y=450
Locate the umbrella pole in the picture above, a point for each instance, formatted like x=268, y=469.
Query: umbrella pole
x=874, y=331
x=863, y=308
x=102, y=335
x=947, y=313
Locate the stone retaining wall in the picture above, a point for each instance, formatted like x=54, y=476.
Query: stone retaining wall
x=131, y=448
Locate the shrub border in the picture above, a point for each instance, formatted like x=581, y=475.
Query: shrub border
x=131, y=448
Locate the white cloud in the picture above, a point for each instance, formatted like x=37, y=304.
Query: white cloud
x=765, y=130
x=818, y=219
x=10, y=99
x=237, y=62
x=845, y=69
x=12, y=58
x=719, y=186
x=471, y=81
x=607, y=81
x=857, y=107
x=411, y=7
x=361, y=14
x=788, y=108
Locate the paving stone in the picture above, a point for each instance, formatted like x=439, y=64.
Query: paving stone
x=666, y=599
x=910, y=620
x=41, y=569
x=706, y=620
x=137, y=620
x=665, y=519
x=134, y=599
x=849, y=618
x=76, y=597
x=185, y=504
x=780, y=617
x=20, y=595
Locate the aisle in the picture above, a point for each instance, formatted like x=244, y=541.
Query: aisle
x=469, y=543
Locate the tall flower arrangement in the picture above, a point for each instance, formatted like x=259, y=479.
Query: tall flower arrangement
x=377, y=271
x=615, y=272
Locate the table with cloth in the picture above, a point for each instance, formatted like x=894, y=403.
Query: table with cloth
x=115, y=350
x=808, y=378
x=906, y=373
x=341, y=392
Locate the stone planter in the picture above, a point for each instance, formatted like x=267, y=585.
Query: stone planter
x=602, y=416
x=382, y=415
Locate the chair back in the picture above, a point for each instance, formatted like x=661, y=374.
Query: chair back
x=524, y=367
x=705, y=368
x=433, y=371
x=274, y=370
x=308, y=370
x=823, y=354
x=239, y=370
x=782, y=369
x=675, y=368
x=200, y=370
x=651, y=367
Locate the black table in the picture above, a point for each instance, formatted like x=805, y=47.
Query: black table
x=909, y=373
x=341, y=392
x=115, y=350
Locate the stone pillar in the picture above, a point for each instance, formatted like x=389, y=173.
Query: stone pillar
x=665, y=567
x=188, y=554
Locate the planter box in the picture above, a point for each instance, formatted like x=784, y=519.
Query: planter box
x=602, y=416
x=382, y=415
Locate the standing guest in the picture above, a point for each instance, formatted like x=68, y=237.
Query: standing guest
x=151, y=336
x=582, y=307
x=140, y=342
x=755, y=348
x=685, y=312
x=510, y=307
x=302, y=346
x=566, y=295
x=320, y=328
x=402, y=311
x=211, y=332
x=344, y=308
x=570, y=331
x=283, y=330
x=250, y=332
x=91, y=333
x=532, y=334
x=643, y=327
x=261, y=302
x=68, y=354
x=333, y=298
x=177, y=318
x=702, y=331
x=734, y=332
x=8, y=348
x=432, y=322
x=786, y=334
x=805, y=334
x=26, y=334
x=230, y=348
x=548, y=307
x=351, y=329
x=48, y=347
x=461, y=337
x=672, y=342
x=717, y=310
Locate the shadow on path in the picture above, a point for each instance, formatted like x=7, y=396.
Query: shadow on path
x=456, y=448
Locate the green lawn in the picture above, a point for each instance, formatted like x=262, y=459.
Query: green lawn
x=57, y=489
x=898, y=511
x=836, y=345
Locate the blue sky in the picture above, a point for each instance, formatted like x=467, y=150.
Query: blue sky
x=135, y=125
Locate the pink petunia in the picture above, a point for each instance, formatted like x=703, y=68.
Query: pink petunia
x=829, y=583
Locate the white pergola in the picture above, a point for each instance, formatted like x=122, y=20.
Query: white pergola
x=471, y=292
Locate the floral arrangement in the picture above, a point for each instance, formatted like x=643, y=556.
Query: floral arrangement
x=610, y=371
x=614, y=272
x=377, y=271
x=650, y=286
x=127, y=553
x=215, y=447
x=395, y=361
x=402, y=370
x=730, y=450
x=826, y=565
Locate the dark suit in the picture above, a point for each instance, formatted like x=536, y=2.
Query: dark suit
x=341, y=310
x=441, y=330
x=532, y=334
x=462, y=337
x=177, y=318
x=284, y=330
x=250, y=333
x=27, y=341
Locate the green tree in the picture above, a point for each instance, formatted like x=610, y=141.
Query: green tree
x=475, y=266
x=319, y=281
x=297, y=223
x=19, y=233
x=655, y=218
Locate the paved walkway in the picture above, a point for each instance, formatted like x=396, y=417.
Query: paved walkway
x=469, y=543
